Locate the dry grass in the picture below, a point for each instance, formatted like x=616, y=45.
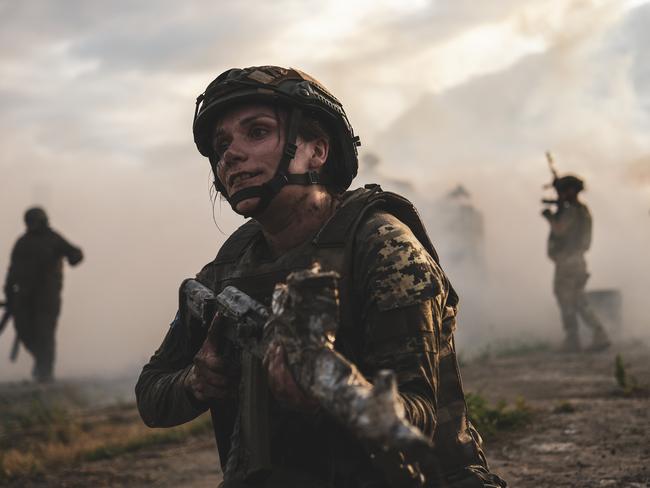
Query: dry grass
x=43, y=436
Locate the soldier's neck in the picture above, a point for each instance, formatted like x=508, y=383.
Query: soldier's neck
x=293, y=224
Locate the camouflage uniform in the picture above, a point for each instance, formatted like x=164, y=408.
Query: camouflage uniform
x=398, y=311
x=33, y=289
x=567, y=243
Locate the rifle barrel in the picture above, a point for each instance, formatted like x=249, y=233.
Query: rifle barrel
x=551, y=164
x=4, y=320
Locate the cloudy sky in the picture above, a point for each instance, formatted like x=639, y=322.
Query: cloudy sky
x=96, y=102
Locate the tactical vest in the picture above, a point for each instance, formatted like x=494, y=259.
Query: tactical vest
x=249, y=456
x=331, y=247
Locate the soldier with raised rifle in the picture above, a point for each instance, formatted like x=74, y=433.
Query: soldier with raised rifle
x=283, y=154
x=568, y=241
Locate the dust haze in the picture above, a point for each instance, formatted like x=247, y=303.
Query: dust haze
x=97, y=128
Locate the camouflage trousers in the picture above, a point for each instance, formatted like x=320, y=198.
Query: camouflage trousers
x=569, y=288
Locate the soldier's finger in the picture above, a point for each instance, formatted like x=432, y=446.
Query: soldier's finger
x=215, y=362
x=207, y=348
x=295, y=394
x=275, y=363
x=197, y=391
x=268, y=354
x=284, y=386
x=209, y=362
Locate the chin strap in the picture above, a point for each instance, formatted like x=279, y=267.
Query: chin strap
x=267, y=191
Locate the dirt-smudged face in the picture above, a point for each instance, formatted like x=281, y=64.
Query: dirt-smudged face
x=248, y=141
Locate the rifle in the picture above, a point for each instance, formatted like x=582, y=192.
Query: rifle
x=303, y=318
x=551, y=166
x=5, y=316
x=550, y=201
x=15, y=347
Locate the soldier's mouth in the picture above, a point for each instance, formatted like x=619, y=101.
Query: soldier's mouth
x=238, y=178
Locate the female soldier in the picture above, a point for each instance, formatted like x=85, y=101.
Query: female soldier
x=283, y=153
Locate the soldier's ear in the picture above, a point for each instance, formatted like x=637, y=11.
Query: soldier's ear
x=320, y=150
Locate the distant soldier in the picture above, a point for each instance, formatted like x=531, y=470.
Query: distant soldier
x=33, y=288
x=569, y=239
x=463, y=223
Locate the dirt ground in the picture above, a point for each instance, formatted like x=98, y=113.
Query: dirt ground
x=604, y=441
x=585, y=431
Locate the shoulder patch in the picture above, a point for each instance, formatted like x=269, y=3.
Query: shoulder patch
x=401, y=272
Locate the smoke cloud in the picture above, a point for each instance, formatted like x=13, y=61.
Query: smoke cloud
x=96, y=103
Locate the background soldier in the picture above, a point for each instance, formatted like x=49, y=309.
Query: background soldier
x=463, y=228
x=33, y=288
x=569, y=239
x=283, y=153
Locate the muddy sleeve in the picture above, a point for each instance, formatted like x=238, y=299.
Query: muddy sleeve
x=403, y=290
x=162, y=398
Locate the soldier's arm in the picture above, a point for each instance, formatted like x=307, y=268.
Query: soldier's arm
x=403, y=289
x=72, y=253
x=162, y=396
x=562, y=221
x=404, y=340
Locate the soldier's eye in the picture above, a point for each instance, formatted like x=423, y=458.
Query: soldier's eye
x=257, y=132
x=220, y=147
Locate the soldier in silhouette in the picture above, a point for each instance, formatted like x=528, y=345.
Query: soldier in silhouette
x=33, y=288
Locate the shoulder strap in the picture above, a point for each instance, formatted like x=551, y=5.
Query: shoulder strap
x=337, y=231
x=237, y=243
x=406, y=212
x=363, y=201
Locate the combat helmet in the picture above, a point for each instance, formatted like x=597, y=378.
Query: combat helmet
x=568, y=181
x=303, y=96
x=35, y=218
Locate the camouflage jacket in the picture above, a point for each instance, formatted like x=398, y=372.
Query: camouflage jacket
x=398, y=312
x=570, y=235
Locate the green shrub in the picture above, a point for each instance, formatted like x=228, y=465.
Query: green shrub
x=490, y=420
x=626, y=381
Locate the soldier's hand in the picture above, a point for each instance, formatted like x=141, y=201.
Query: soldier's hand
x=282, y=384
x=547, y=213
x=207, y=380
